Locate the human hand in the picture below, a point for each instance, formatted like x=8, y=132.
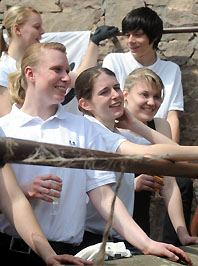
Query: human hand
x=147, y=182
x=167, y=250
x=58, y=260
x=102, y=33
x=184, y=236
x=126, y=121
x=43, y=187
x=187, y=240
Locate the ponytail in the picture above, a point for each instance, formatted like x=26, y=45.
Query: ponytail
x=16, y=87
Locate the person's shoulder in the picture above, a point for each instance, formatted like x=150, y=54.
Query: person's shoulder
x=117, y=55
x=5, y=58
x=99, y=127
x=7, y=64
x=79, y=121
x=74, y=120
x=168, y=63
x=5, y=120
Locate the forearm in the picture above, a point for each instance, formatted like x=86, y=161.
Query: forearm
x=30, y=230
x=122, y=221
x=130, y=148
x=90, y=60
x=173, y=119
x=12, y=201
x=152, y=135
x=173, y=202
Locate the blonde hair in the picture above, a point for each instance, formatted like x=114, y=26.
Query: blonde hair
x=17, y=83
x=14, y=15
x=144, y=74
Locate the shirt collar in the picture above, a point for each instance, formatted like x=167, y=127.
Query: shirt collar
x=140, y=65
x=22, y=118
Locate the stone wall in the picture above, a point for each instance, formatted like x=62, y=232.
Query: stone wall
x=181, y=48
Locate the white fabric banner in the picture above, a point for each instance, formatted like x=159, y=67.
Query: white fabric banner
x=76, y=44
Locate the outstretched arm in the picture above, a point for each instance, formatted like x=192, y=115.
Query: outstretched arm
x=124, y=224
x=12, y=201
x=90, y=60
x=91, y=57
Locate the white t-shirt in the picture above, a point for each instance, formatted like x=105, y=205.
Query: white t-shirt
x=135, y=139
x=123, y=64
x=64, y=129
x=94, y=222
x=7, y=66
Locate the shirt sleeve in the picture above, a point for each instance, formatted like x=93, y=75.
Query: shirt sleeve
x=3, y=78
x=2, y=134
x=177, y=102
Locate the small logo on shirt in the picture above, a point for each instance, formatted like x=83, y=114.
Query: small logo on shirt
x=72, y=143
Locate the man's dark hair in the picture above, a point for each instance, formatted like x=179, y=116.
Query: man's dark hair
x=145, y=19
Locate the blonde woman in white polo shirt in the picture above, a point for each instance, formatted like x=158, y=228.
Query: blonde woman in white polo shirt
x=23, y=25
x=44, y=77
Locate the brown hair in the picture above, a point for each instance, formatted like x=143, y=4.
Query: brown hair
x=17, y=83
x=85, y=82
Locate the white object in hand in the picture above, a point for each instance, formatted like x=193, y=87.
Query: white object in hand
x=54, y=205
x=55, y=171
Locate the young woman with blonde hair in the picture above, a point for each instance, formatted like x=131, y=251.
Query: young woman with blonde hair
x=23, y=26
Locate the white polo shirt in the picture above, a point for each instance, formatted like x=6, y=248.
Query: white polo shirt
x=94, y=222
x=65, y=129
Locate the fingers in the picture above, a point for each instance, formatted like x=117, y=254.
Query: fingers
x=65, y=258
x=50, y=177
x=149, y=183
x=49, y=182
x=177, y=254
x=112, y=30
x=103, y=32
x=43, y=197
x=46, y=186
